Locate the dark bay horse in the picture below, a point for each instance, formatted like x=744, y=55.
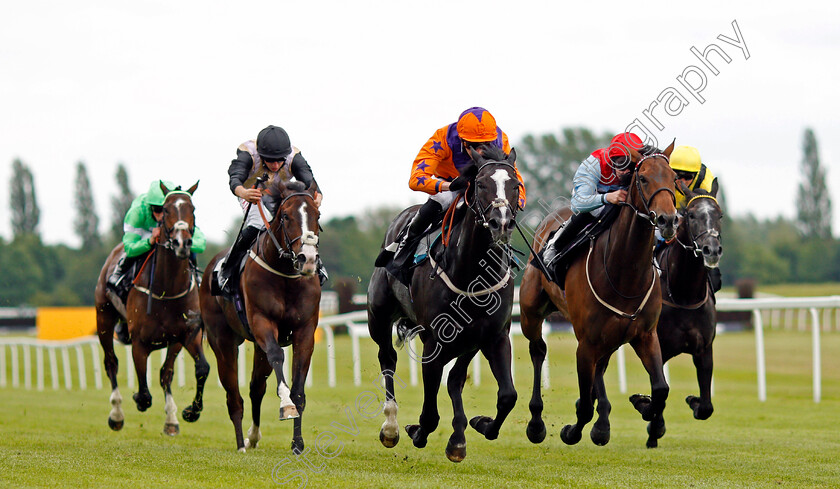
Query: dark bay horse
x=459, y=302
x=281, y=294
x=174, y=320
x=612, y=297
x=688, y=318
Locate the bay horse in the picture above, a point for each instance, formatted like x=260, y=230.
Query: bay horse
x=459, y=301
x=173, y=321
x=612, y=297
x=281, y=294
x=688, y=319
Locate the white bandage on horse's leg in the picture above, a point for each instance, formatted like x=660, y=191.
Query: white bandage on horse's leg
x=116, y=406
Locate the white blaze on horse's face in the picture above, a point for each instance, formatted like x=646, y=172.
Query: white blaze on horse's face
x=182, y=239
x=309, y=244
x=705, y=226
x=501, y=177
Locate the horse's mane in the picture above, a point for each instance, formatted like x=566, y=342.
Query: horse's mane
x=490, y=152
x=296, y=186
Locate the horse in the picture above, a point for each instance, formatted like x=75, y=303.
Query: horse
x=162, y=312
x=459, y=301
x=688, y=318
x=281, y=295
x=613, y=276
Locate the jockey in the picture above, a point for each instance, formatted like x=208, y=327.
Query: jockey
x=601, y=179
x=270, y=156
x=437, y=168
x=142, y=231
x=686, y=162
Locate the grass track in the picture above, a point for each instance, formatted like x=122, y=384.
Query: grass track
x=61, y=439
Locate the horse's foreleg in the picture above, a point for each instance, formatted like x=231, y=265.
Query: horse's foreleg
x=498, y=356
x=571, y=434
x=647, y=348
x=303, y=343
x=379, y=326
x=456, y=449
x=225, y=345
x=600, y=433
x=105, y=320
x=192, y=412
x=140, y=354
x=702, y=406
x=259, y=375
x=537, y=348
x=429, y=416
x=170, y=426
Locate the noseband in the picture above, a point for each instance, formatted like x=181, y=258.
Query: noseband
x=648, y=214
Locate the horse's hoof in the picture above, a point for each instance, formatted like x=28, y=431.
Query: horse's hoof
x=456, y=452
x=241, y=450
x=288, y=412
x=483, y=425
x=116, y=425
x=569, y=435
x=297, y=446
x=171, y=429
x=389, y=442
x=416, y=435
x=143, y=402
x=642, y=404
x=600, y=436
x=656, y=430
x=535, y=431
x=190, y=415
x=701, y=411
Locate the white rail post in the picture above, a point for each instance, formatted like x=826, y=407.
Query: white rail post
x=80, y=356
x=759, y=355
x=286, y=351
x=15, y=366
x=330, y=338
x=667, y=372
x=412, y=362
x=27, y=366
x=182, y=374
x=129, y=367
x=546, y=329
x=53, y=368
x=39, y=361
x=97, y=365
x=512, y=358
x=357, y=360
x=476, y=365
x=622, y=371
x=815, y=345
x=241, y=358
x=149, y=371
x=68, y=375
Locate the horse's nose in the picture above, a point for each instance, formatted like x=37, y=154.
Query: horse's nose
x=666, y=220
x=188, y=244
x=712, y=251
x=493, y=224
x=301, y=260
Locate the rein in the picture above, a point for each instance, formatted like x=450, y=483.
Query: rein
x=648, y=215
x=148, y=292
x=607, y=305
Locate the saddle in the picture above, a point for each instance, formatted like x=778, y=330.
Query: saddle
x=235, y=296
x=560, y=266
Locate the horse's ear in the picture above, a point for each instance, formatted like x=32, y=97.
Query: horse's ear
x=714, y=188
x=670, y=148
x=312, y=189
x=191, y=190
x=511, y=158
x=163, y=188
x=476, y=157
x=685, y=190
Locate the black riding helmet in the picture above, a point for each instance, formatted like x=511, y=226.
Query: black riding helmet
x=273, y=143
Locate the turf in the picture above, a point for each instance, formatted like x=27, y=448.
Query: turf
x=61, y=439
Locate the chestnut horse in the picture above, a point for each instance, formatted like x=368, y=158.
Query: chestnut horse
x=281, y=294
x=688, y=319
x=173, y=321
x=612, y=297
x=459, y=301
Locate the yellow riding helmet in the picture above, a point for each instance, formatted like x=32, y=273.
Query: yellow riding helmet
x=685, y=158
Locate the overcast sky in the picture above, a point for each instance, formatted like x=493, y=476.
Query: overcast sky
x=171, y=88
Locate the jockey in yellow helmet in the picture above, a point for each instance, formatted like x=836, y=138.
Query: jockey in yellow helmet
x=686, y=162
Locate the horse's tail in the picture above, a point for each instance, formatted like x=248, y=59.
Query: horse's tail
x=405, y=331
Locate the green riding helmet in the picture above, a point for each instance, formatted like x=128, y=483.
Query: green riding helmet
x=155, y=197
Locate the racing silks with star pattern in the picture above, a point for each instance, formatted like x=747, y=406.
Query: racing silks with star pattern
x=443, y=157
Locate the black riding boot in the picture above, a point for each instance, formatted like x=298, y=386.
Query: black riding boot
x=237, y=251
x=116, y=276
x=557, y=246
x=425, y=216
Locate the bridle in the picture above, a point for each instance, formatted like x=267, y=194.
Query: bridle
x=648, y=215
x=696, y=249
x=180, y=225
x=286, y=253
x=498, y=202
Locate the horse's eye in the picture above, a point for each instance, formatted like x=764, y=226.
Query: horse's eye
x=691, y=215
x=642, y=179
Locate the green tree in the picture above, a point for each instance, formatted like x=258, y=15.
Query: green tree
x=548, y=162
x=86, y=224
x=24, y=205
x=120, y=203
x=813, y=203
